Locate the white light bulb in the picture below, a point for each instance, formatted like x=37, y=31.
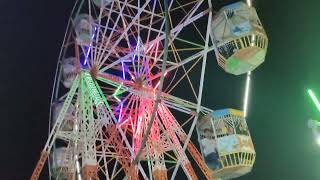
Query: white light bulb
x=249, y=3
x=246, y=95
x=318, y=140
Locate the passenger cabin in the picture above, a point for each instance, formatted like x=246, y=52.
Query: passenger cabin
x=84, y=29
x=240, y=39
x=314, y=125
x=69, y=117
x=59, y=163
x=69, y=71
x=225, y=143
x=59, y=158
x=102, y=3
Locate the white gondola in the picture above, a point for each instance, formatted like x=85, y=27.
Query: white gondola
x=226, y=144
x=83, y=25
x=69, y=116
x=102, y=3
x=240, y=39
x=59, y=163
x=314, y=125
x=69, y=71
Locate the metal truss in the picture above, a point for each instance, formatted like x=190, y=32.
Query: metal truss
x=115, y=90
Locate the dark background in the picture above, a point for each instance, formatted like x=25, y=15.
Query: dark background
x=31, y=34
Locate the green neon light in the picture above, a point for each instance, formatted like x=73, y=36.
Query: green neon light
x=117, y=99
x=93, y=92
x=103, y=97
x=120, y=88
x=314, y=98
x=116, y=92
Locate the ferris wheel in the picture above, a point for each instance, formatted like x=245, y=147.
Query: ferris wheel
x=127, y=100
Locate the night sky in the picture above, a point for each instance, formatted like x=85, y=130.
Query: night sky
x=31, y=35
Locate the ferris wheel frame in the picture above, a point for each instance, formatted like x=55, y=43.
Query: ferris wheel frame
x=168, y=100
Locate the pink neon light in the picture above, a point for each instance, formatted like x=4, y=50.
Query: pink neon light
x=132, y=125
x=155, y=56
x=157, y=85
x=149, y=48
x=124, y=122
x=138, y=129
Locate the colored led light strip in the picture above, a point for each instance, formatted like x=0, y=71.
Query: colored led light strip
x=117, y=90
x=132, y=125
x=117, y=99
x=136, y=49
x=157, y=85
x=149, y=48
x=314, y=99
x=124, y=122
x=138, y=128
x=86, y=59
x=246, y=95
x=119, y=119
x=123, y=74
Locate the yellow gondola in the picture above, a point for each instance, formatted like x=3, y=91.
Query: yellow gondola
x=226, y=143
x=240, y=39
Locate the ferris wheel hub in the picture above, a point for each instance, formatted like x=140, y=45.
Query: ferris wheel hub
x=139, y=82
x=94, y=71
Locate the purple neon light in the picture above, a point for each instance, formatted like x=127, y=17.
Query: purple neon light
x=85, y=61
x=136, y=49
x=123, y=74
x=121, y=106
